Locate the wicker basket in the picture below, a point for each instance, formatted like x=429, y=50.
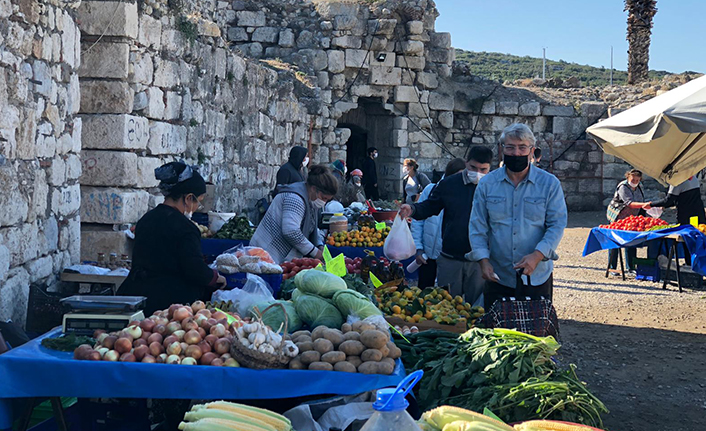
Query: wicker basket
x=257, y=360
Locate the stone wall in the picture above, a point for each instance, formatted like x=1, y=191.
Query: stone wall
x=40, y=140
x=161, y=89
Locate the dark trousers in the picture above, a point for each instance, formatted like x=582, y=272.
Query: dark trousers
x=630, y=255
x=495, y=291
x=427, y=274
x=371, y=192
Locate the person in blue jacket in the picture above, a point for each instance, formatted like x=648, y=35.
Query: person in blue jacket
x=427, y=233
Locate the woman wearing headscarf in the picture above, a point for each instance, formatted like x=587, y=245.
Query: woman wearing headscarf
x=353, y=190
x=167, y=263
x=289, y=229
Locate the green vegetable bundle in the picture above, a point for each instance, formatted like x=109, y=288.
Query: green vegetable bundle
x=315, y=311
x=319, y=283
x=274, y=317
x=507, y=371
x=352, y=303
x=236, y=228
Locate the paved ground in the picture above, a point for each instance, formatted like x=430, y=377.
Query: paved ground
x=641, y=349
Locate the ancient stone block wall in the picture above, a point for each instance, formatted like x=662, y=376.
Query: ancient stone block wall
x=156, y=90
x=40, y=140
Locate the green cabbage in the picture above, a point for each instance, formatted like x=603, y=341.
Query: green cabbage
x=320, y=283
x=298, y=279
x=296, y=293
x=274, y=317
x=352, y=303
x=315, y=311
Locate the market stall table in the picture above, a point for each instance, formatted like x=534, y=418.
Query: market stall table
x=34, y=371
x=695, y=242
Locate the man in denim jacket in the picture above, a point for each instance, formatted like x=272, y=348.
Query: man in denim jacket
x=517, y=221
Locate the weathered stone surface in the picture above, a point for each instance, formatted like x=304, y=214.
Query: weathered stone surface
x=149, y=32
x=507, y=108
x=530, y=109
x=250, y=19
x=381, y=26
x=441, y=40
x=413, y=47
x=400, y=138
x=441, y=102
x=108, y=168
x=112, y=206
x=109, y=97
x=345, y=22
x=115, y=132
x=65, y=201
x=166, y=73
x=57, y=172
x=446, y=119
x=406, y=94
x=265, y=34
x=411, y=62
x=105, y=60
x=17, y=288
x=237, y=34
x=166, y=138
x=145, y=171
x=357, y=58
x=155, y=103
x=445, y=56
x=98, y=239
x=73, y=167
x=286, y=38
x=555, y=110
x=142, y=68
x=13, y=207
x=385, y=75
x=22, y=242
x=593, y=110
x=428, y=80
x=568, y=127
x=172, y=108
x=40, y=268
x=488, y=107
x=415, y=27
x=108, y=18
x=336, y=61
x=4, y=262
x=347, y=42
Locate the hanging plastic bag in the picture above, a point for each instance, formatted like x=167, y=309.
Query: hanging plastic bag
x=654, y=212
x=399, y=244
x=255, y=291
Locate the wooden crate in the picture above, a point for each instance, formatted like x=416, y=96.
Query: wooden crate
x=458, y=328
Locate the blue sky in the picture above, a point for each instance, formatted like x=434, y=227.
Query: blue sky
x=576, y=31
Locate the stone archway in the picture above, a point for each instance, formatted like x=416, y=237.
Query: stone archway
x=372, y=125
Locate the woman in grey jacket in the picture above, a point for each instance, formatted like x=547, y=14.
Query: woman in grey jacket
x=289, y=228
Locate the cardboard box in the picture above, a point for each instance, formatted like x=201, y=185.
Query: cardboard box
x=426, y=325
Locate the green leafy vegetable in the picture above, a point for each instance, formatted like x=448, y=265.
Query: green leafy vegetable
x=352, y=303
x=315, y=310
x=320, y=283
x=274, y=317
x=67, y=343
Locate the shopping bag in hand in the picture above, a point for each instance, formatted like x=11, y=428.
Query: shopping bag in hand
x=399, y=244
x=525, y=312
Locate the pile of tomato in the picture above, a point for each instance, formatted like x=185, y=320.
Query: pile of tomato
x=290, y=269
x=635, y=223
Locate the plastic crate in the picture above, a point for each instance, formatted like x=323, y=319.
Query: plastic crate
x=688, y=278
x=648, y=273
x=237, y=281
x=44, y=311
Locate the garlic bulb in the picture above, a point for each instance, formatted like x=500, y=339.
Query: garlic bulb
x=290, y=349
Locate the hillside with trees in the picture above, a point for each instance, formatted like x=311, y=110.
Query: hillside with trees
x=506, y=67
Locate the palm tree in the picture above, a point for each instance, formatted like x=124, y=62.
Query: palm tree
x=640, y=15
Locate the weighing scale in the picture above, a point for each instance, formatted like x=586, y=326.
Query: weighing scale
x=87, y=313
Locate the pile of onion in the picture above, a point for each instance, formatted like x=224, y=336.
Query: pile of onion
x=181, y=334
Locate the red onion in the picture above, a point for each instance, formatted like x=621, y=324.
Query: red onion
x=218, y=315
x=123, y=345
x=145, y=335
x=173, y=308
x=155, y=338
x=194, y=352
x=169, y=340
x=109, y=341
x=207, y=358
x=127, y=357
x=202, y=332
x=160, y=329
x=218, y=330
x=192, y=337
x=148, y=325
x=140, y=352
x=97, y=333
x=216, y=362
x=204, y=312
x=211, y=338
x=205, y=346
x=188, y=324
x=181, y=314
x=173, y=327
x=179, y=334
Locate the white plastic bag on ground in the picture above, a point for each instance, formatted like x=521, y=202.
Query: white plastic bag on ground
x=399, y=244
x=255, y=291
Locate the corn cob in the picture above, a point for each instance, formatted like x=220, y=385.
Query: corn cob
x=471, y=426
x=278, y=422
x=227, y=415
x=441, y=416
x=546, y=425
x=212, y=424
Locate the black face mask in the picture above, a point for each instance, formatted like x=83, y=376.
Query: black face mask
x=516, y=163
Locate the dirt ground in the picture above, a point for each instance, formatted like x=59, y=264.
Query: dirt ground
x=641, y=349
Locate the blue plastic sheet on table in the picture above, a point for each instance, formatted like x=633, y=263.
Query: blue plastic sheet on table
x=238, y=280
x=212, y=248
x=354, y=252
x=34, y=371
x=605, y=239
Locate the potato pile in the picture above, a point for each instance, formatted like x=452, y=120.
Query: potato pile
x=356, y=348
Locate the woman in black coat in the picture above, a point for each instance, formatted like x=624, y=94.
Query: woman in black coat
x=167, y=263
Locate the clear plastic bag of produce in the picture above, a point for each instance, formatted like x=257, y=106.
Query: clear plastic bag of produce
x=255, y=291
x=315, y=311
x=378, y=321
x=399, y=244
x=248, y=252
x=254, y=260
x=352, y=303
x=274, y=317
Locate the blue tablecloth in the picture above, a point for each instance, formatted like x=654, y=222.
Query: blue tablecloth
x=34, y=371
x=604, y=239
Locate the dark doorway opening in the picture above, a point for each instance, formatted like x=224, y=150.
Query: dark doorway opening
x=356, y=147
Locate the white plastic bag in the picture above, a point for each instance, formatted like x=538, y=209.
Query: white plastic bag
x=399, y=244
x=654, y=212
x=255, y=291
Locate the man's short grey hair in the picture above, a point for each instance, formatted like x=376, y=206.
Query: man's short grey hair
x=519, y=132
